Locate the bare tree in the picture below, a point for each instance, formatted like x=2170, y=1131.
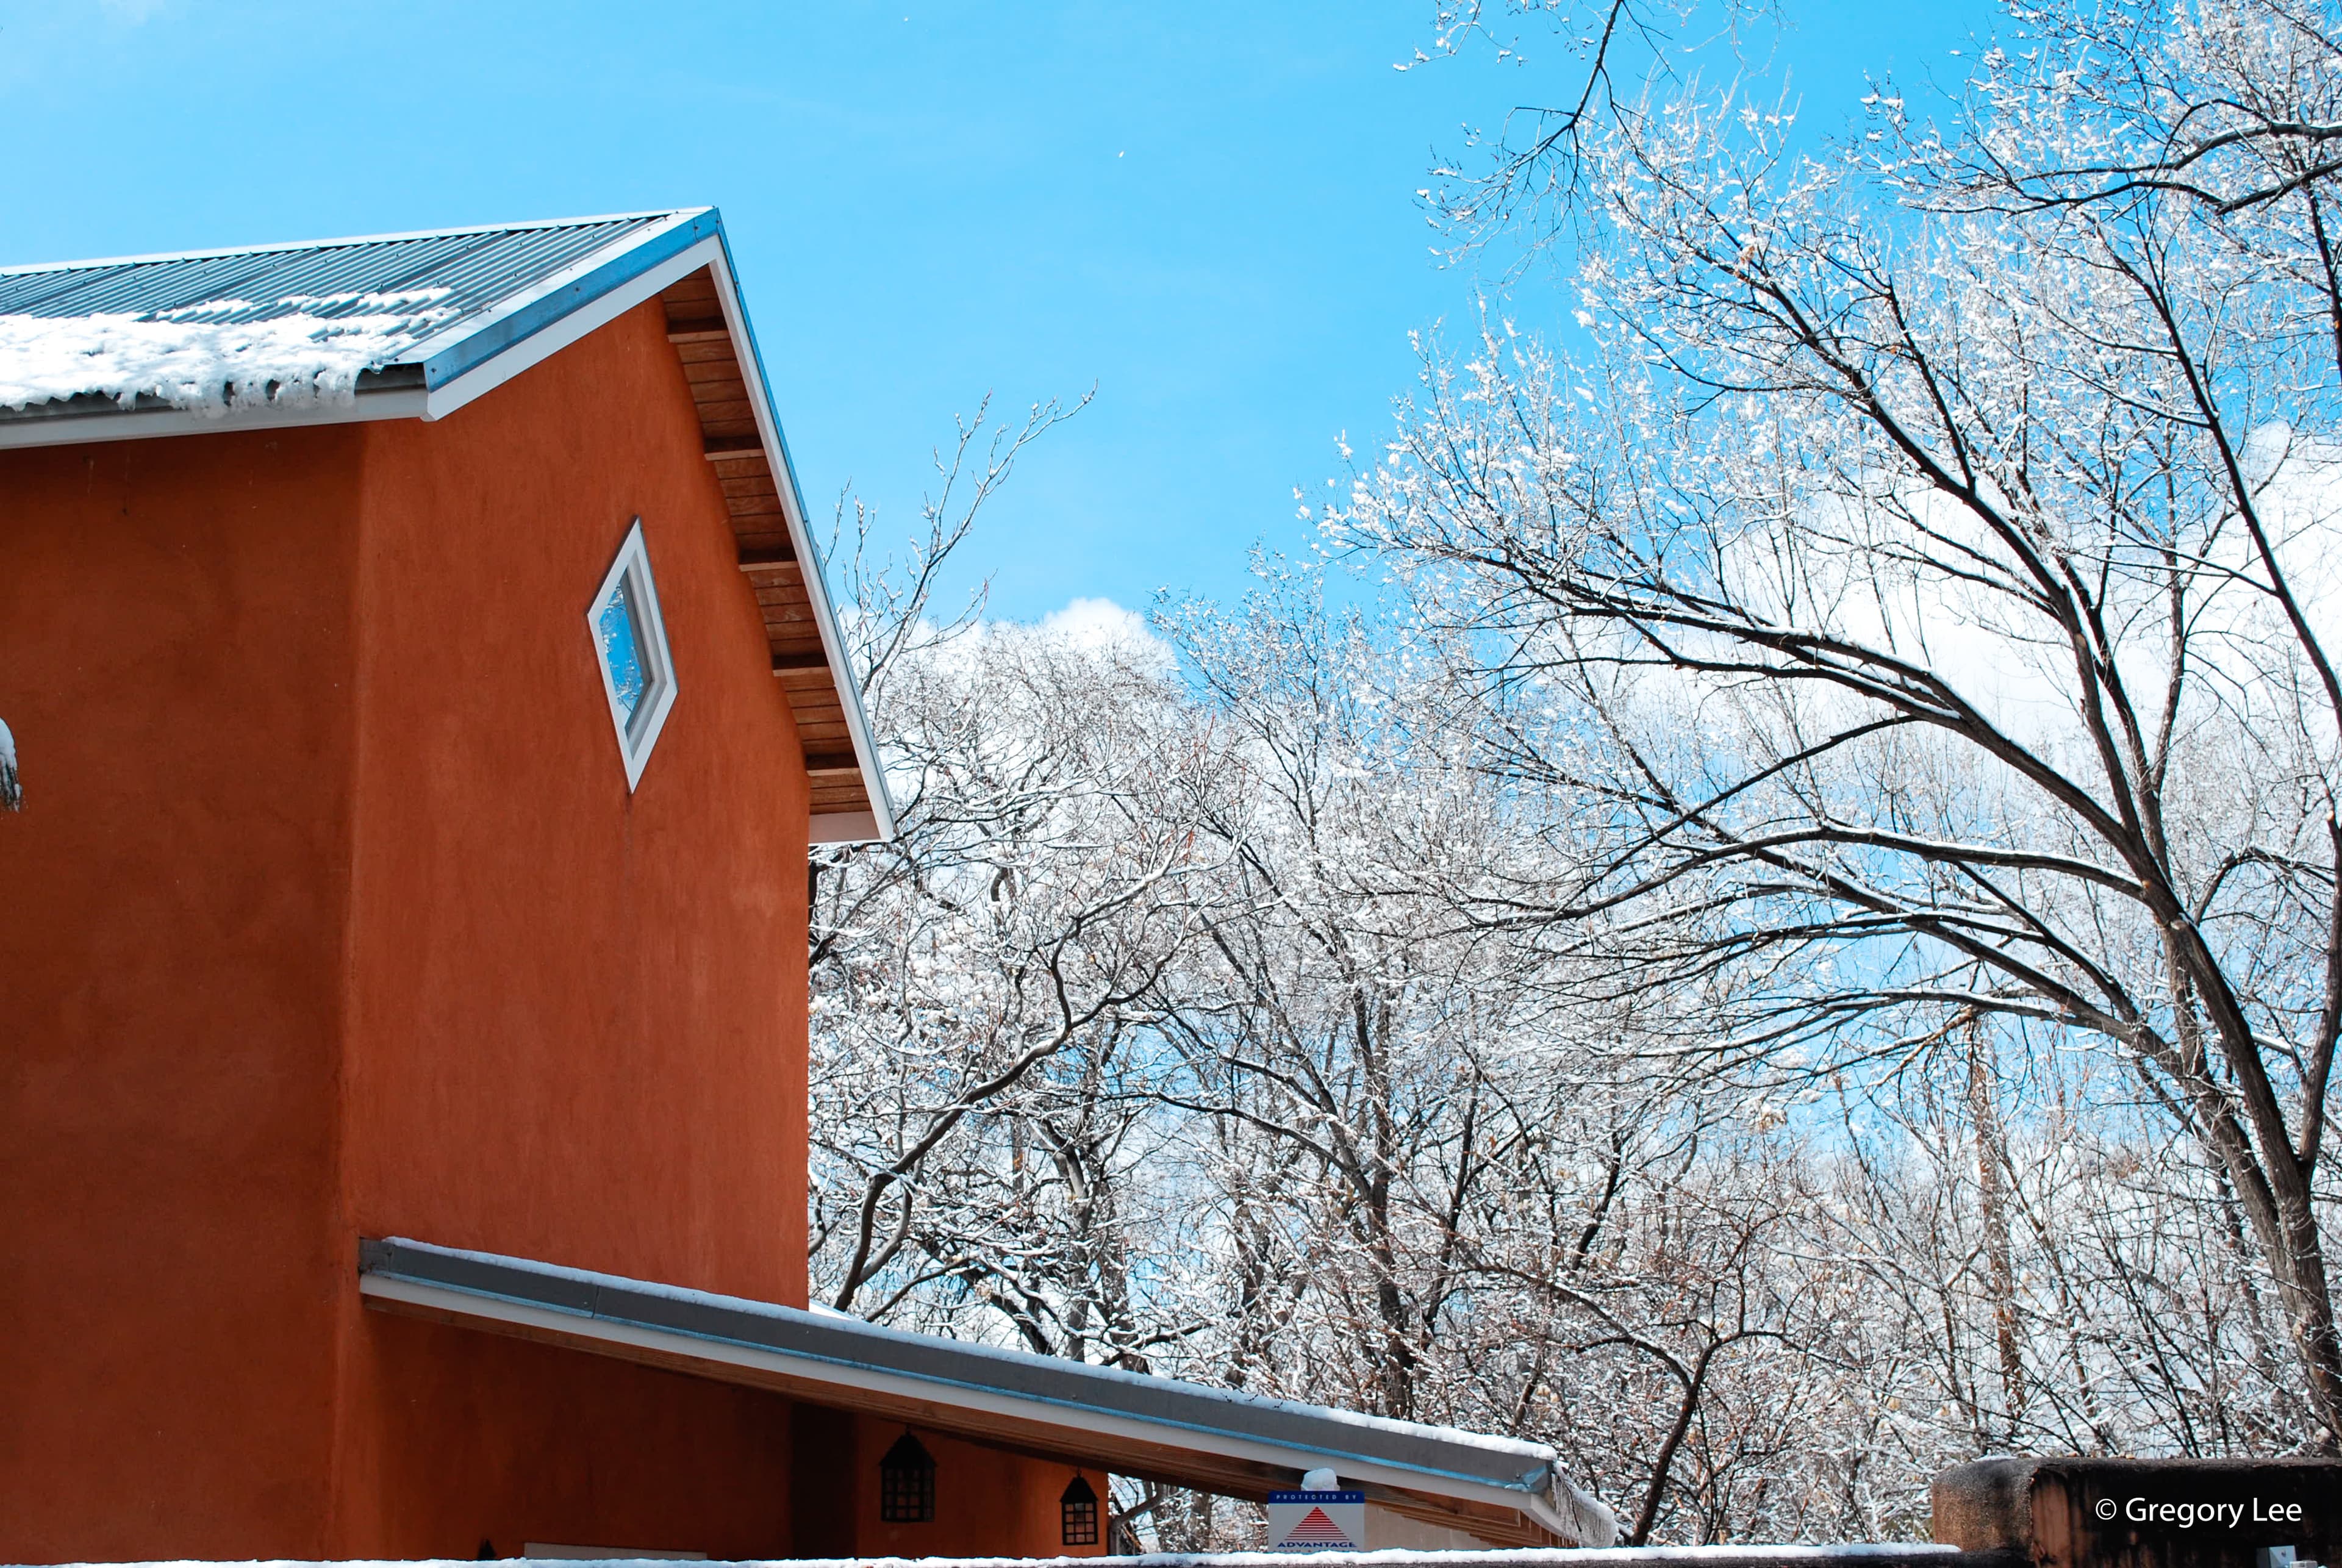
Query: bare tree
x=1521, y=178
x=1799, y=946
x=1020, y=909
x=1920, y=603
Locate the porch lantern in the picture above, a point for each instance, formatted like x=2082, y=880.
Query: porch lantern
x=1079, y=1508
x=906, y=1483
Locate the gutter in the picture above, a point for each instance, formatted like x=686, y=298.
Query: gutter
x=863, y=1365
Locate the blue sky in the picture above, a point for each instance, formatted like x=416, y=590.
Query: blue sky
x=1207, y=210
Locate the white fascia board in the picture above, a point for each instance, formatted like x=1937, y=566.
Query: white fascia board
x=75, y=429
x=881, y=821
x=1076, y=1421
x=593, y=261
x=550, y=340
x=845, y=827
x=282, y=247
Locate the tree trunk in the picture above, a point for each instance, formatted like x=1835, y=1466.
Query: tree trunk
x=2000, y=1268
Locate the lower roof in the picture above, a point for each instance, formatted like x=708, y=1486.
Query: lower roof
x=1504, y=1490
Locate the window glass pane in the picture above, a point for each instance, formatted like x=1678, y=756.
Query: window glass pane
x=622, y=648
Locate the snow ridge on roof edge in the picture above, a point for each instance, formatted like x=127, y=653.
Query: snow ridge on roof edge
x=1906, y=1554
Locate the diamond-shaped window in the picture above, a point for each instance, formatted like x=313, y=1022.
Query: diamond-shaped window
x=630, y=644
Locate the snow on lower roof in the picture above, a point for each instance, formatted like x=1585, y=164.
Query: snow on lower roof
x=1875, y=1555
x=1901, y=1554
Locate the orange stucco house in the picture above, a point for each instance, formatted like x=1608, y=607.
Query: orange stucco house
x=426, y=693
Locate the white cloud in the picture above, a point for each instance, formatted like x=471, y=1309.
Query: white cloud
x=1097, y=623
x=1097, y=629
x=1105, y=629
x=1090, y=628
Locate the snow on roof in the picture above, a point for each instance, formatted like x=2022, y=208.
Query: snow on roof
x=1867, y=1553
x=191, y=363
x=284, y=325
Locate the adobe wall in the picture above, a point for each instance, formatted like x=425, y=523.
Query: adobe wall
x=988, y=1503
x=176, y=662
x=577, y=1015
x=331, y=916
x=493, y=1445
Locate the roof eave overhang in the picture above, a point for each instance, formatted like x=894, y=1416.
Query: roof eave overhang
x=685, y=1330
x=876, y=824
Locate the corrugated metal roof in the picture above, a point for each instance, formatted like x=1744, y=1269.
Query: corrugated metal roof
x=468, y=273
x=288, y=326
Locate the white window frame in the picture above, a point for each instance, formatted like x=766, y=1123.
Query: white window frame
x=632, y=568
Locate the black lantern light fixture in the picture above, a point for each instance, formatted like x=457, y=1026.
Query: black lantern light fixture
x=906, y=1483
x=1079, y=1511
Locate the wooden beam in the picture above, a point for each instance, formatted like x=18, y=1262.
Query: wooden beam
x=732, y=440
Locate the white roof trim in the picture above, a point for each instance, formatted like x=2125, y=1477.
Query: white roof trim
x=136, y=425
x=547, y=340
x=511, y=305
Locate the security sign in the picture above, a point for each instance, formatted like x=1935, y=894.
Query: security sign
x=1316, y=1521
